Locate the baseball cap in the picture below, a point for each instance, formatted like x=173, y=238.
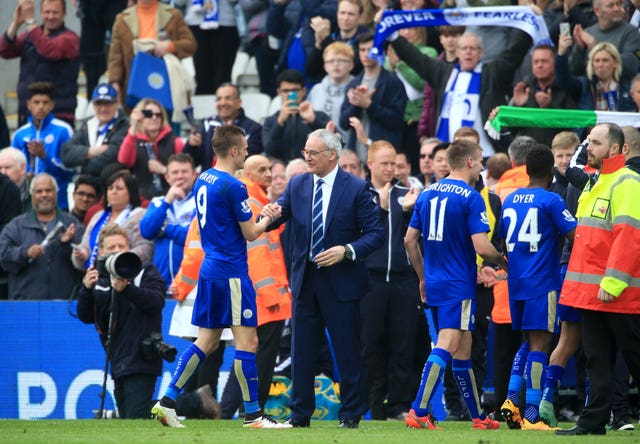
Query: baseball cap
x=104, y=93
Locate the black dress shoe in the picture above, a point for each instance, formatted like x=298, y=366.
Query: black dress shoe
x=349, y=423
x=577, y=430
x=297, y=424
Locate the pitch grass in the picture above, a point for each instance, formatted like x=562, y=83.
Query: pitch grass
x=223, y=432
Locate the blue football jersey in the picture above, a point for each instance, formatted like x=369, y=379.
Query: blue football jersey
x=533, y=222
x=221, y=203
x=448, y=213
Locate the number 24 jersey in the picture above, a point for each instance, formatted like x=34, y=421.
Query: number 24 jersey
x=532, y=224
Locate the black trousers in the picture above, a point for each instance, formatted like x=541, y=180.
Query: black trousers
x=506, y=343
x=389, y=317
x=214, y=57
x=268, y=346
x=134, y=395
x=96, y=20
x=603, y=334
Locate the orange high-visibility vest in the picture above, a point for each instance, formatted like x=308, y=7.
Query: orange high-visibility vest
x=266, y=265
x=510, y=181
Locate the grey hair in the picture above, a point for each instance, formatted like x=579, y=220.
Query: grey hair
x=472, y=34
x=519, y=148
x=330, y=139
x=430, y=140
x=292, y=164
x=53, y=179
x=16, y=154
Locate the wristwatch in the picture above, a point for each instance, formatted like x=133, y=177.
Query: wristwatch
x=30, y=21
x=348, y=253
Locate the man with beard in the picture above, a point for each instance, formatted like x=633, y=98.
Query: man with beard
x=35, y=247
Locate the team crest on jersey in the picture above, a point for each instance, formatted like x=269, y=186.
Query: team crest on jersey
x=600, y=208
x=245, y=207
x=484, y=218
x=49, y=139
x=247, y=314
x=568, y=216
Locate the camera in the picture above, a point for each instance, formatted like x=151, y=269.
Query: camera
x=154, y=346
x=147, y=113
x=123, y=265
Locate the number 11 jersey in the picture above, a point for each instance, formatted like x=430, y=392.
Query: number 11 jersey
x=448, y=213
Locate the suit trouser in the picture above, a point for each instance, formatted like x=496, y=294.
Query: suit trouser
x=389, y=318
x=603, y=334
x=316, y=307
x=268, y=346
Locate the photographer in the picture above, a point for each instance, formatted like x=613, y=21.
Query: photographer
x=137, y=315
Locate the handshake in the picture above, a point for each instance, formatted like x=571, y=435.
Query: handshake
x=272, y=211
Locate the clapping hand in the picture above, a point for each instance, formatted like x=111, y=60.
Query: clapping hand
x=410, y=199
x=68, y=234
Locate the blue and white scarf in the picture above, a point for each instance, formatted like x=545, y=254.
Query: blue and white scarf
x=100, y=224
x=460, y=102
x=210, y=9
x=521, y=17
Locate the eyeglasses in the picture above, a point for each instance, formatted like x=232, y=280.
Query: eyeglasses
x=424, y=156
x=312, y=154
x=151, y=114
x=338, y=61
x=85, y=195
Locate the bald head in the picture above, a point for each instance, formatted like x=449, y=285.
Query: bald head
x=257, y=168
x=631, y=142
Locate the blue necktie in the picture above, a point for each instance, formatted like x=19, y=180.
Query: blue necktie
x=317, y=228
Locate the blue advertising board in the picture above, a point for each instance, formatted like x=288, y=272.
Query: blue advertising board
x=52, y=364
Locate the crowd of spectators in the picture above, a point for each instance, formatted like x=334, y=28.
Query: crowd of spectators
x=130, y=166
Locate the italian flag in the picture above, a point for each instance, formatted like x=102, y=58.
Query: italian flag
x=515, y=116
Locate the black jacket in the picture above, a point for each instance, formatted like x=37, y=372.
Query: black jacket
x=74, y=152
x=390, y=262
x=203, y=155
x=138, y=313
x=497, y=76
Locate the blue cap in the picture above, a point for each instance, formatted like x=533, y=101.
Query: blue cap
x=104, y=93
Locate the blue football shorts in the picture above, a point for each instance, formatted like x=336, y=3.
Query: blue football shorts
x=225, y=302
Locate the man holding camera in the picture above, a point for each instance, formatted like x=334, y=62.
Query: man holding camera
x=135, y=349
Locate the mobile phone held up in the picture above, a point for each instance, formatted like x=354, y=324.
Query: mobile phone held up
x=292, y=96
x=564, y=28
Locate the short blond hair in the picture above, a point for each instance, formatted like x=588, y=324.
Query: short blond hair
x=565, y=139
x=377, y=146
x=339, y=48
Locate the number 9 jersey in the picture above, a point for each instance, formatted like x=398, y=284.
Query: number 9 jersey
x=533, y=223
x=221, y=203
x=448, y=213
